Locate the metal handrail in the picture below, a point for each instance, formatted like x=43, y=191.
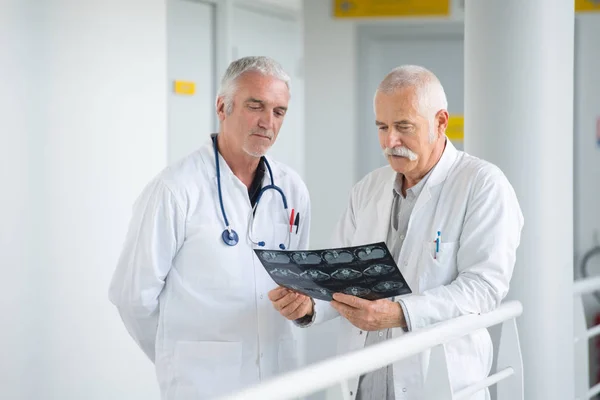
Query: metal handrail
x=583, y=334
x=327, y=373
x=587, y=285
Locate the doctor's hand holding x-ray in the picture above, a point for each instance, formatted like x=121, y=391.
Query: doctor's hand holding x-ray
x=188, y=285
x=452, y=223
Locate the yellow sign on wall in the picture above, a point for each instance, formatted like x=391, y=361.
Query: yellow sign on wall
x=456, y=127
x=184, y=87
x=587, y=5
x=391, y=8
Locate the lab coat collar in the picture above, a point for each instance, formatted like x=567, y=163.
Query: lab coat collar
x=442, y=168
x=438, y=174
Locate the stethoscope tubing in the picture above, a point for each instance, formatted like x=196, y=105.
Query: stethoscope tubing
x=230, y=236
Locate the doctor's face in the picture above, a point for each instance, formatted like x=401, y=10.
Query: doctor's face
x=407, y=138
x=259, y=105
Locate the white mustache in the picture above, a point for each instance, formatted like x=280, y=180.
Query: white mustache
x=400, y=151
x=263, y=132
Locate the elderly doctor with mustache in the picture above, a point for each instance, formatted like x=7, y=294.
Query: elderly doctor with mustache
x=453, y=224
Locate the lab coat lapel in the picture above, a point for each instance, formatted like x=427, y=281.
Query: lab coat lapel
x=233, y=190
x=381, y=225
x=438, y=175
x=417, y=230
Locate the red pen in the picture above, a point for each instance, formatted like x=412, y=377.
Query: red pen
x=292, y=220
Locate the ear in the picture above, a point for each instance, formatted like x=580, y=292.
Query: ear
x=221, y=108
x=441, y=119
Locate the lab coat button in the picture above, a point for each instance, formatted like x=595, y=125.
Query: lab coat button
x=404, y=390
x=401, y=237
x=360, y=332
x=261, y=296
x=405, y=263
x=380, y=334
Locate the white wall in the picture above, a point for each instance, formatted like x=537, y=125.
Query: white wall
x=17, y=292
x=95, y=113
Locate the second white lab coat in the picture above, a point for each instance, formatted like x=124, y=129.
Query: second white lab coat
x=197, y=307
x=474, y=206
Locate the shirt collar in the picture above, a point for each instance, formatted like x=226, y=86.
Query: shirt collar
x=414, y=191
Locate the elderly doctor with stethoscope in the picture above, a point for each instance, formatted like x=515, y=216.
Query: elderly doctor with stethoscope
x=188, y=285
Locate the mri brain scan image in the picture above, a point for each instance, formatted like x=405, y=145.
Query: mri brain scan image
x=315, y=275
x=321, y=291
x=346, y=274
x=370, y=253
x=378, y=270
x=335, y=257
x=357, y=291
x=276, y=258
x=283, y=273
x=367, y=271
x=387, y=286
x=306, y=258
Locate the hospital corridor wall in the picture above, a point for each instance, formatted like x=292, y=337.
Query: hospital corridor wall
x=88, y=120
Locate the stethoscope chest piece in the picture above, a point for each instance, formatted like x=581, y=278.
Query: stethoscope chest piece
x=230, y=237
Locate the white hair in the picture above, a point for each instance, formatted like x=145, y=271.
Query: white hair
x=430, y=92
x=261, y=64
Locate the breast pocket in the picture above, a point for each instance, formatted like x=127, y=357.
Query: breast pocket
x=276, y=234
x=438, y=266
x=290, y=239
x=205, y=261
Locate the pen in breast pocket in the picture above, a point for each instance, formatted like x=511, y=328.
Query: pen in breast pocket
x=297, y=222
x=292, y=220
x=437, y=244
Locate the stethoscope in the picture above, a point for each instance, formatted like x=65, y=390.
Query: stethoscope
x=229, y=235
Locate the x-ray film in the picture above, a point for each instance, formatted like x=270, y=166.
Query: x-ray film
x=367, y=271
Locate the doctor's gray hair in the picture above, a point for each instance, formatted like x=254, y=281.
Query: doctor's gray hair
x=430, y=92
x=264, y=65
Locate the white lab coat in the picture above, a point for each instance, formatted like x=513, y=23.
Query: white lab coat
x=474, y=206
x=199, y=308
